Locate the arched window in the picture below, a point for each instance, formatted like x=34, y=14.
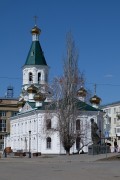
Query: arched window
x=39, y=77
x=78, y=143
x=46, y=78
x=48, y=124
x=48, y=143
x=30, y=77
x=78, y=124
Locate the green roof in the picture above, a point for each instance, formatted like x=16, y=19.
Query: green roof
x=52, y=106
x=80, y=106
x=35, y=55
x=86, y=107
x=43, y=107
x=32, y=104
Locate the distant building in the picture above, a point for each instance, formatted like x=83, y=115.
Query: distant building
x=10, y=92
x=112, y=122
x=32, y=128
x=8, y=108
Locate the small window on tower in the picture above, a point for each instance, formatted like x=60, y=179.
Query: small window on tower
x=39, y=77
x=30, y=77
x=32, y=53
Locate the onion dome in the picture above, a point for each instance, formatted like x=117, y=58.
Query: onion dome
x=32, y=89
x=35, y=30
x=95, y=100
x=81, y=92
x=21, y=103
x=39, y=97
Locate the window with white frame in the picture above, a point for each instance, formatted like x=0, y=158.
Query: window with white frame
x=2, y=113
x=30, y=77
x=39, y=77
x=1, y=145
x=118, y=130
x=48, y=143
x=109, y=120
x=25, y=126
x=34, y=125
x=1, y=136
x=29, y=125
x=78, y=124
x=15, y=129
x=114, y=110
x=109, y=110
x=2, y=125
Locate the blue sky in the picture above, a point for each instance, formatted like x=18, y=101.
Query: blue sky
x=95, y=25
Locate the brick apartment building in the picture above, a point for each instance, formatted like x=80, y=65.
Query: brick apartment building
x=8, y=108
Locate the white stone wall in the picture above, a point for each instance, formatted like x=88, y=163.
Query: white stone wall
x=34, y=121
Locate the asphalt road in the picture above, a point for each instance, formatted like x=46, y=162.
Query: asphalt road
x=75, y=167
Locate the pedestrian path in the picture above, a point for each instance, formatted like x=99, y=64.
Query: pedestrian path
x=61, y=158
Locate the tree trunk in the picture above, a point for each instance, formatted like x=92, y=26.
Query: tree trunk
x=68, y=151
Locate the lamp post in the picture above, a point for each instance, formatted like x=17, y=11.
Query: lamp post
x=100, y=136
x=29, y=144
x=5, y=136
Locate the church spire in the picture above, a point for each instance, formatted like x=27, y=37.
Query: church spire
x=35, y=55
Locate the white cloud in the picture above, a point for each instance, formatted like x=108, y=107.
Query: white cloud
x=108, y=76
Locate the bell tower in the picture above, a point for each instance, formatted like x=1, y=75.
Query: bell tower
x=35, y=69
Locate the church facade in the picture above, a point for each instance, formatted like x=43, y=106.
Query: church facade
x=33, y=128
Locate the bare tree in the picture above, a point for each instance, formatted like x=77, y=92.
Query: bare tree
x=65, y=91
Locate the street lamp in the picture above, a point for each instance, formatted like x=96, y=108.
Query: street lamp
x=5, y=153
x=100, y=136
x=29, y=144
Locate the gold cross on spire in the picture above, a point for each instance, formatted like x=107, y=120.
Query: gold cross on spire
x=95, y=86
x=35, y=19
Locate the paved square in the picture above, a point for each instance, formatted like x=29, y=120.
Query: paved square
x=74, y=167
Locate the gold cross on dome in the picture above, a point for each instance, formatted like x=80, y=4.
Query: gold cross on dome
x=35, y=19
x=95, y=86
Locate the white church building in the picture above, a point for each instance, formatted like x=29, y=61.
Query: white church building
x=31, y=130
